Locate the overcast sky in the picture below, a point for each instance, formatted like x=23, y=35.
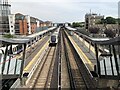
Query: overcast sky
x=64, y=10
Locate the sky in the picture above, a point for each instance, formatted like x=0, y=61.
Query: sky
x=64, y=10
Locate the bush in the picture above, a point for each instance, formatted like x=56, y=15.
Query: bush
x=8, y=36
x=94, y=30
x=109, y=33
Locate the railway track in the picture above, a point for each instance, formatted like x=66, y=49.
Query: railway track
x=43, y=73
x=48, y=73
x=56, y=76
x=65, y=82
x=76, y=80
x=78, y=74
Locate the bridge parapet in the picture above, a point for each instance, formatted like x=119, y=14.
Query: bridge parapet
x=108, y=60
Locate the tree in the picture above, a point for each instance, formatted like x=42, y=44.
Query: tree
x=103, y=21
x=118, y=20
x=69, y=24
x=109, y=33
x=75, y=24
x=78, y=24
x=107, y=20
x=110, y=20
x=94, y=30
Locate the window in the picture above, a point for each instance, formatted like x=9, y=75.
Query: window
x=12, y=30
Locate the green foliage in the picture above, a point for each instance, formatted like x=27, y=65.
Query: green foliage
x=103, y=21
x=69, y=24
x=8, y=36
x=108, y=20
x=77, y=24
x=118, y=20
x=94, y=30
x=109, y=33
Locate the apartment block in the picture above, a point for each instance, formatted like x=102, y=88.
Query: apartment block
x=5, y=10
x=92, y=19
x=24, y=24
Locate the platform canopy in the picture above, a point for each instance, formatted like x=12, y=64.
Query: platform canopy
x=70, y=28
x=14, y=40
x=112, y=41
x=101, y=41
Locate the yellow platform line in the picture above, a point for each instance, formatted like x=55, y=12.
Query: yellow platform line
x=36, y=56
x=81, y=53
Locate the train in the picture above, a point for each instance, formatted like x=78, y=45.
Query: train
x=54, y=38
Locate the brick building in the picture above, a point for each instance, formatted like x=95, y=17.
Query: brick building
x=24, y=24
x=18, y=24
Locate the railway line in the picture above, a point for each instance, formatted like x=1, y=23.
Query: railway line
x=65, y=82
x=49, y=75
x=60, y=67
x=75, y=77
x=79, y=76
x=56, y=76
x=43, y=74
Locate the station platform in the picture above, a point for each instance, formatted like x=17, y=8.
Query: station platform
x=12, y=64
x=86, y=54
x=31, y=60
x=31, y=64
x=107, y=64
x=34, y=49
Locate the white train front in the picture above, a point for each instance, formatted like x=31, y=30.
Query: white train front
x=54, y=38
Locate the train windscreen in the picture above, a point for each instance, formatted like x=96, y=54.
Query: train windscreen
x=53, y=38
